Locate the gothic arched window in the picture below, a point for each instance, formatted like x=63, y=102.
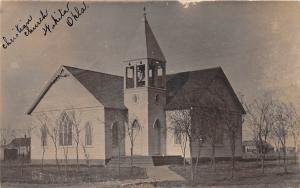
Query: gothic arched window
x=156, y=124
x=135, y=124
x=65, y=130
x=88, y=134
x=43, y=136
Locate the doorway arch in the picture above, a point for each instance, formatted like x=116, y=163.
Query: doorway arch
x=117, y=139
x=157, y=134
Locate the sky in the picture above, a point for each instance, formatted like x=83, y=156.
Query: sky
x=257, y=44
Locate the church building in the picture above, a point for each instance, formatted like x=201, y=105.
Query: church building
x=105, y=105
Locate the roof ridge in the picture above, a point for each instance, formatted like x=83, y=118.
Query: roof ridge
x=212, y=68
x=66, y=66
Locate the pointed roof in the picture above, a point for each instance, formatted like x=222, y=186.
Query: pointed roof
x=184, y=86
x=106, y=88
x=144, y=45
x=20, y=142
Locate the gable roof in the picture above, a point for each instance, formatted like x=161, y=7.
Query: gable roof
x=183, y=87
x=96, y=83
x=106, y=88
x=144, y=44
x=20, y=142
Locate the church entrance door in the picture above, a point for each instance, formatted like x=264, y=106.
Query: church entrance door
x=116, y=144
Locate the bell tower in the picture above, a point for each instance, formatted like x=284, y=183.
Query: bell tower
x=145, y=91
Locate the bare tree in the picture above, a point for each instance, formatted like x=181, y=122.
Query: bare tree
x=75, y=120
x=199, y=136
x=27, y=134
x=53, y=132
x=5, y=135
x=86, y=154
x=65, y=125
x=133, y=128
x=181, y=121
x=210, y=119
x=232, y=128
x=43, y=122
x=277, y=144
x=120, y=138
x=294, y=128
x=182, y=138
x=229, y=117
x=259, y=116
x=283, y=119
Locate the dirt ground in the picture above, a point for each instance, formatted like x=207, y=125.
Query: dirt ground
x=246, y=175
x=51, y=175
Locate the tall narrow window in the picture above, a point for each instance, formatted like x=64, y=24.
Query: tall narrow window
x=135, y=124
x=43, y=136
x=65, y=130
x=160, y=77
x=88, y=134
x=129, y=77
x=151, y=75
x=140, y=75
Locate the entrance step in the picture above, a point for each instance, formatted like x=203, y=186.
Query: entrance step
x=167, y=160
x=140, y=161
x=145, y=161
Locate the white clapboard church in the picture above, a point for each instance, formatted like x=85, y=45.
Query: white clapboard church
x=145, y=96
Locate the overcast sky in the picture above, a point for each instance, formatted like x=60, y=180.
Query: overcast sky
x=256, y=43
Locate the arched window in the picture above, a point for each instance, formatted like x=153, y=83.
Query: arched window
x=88, y=134
x=135, y=124
x=156, y=124
x=65, y=130
x=43, y=136
x=115, y=134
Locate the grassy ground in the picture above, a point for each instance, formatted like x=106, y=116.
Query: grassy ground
x=246, y=173
x=31, y=174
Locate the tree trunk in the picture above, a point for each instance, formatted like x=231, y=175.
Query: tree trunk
x=191, y=155
x=232, y=156
x=284, y=159
x=77, y=161
x=131, y=157
x=263, y=163
x=184, y=165
x=232, y=166
x=66, y=162
x=278, y=151
x=198, y=156
x=213, y=157
x=119, y=162
x=295, y=152
x=56, y=159
x=43, y=159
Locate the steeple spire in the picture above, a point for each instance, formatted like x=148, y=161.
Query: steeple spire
x=144, y=44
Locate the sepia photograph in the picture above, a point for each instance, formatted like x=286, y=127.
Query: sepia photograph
x=149, y=94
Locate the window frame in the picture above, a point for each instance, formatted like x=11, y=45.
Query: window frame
x=65, y=132
x=88, y=134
